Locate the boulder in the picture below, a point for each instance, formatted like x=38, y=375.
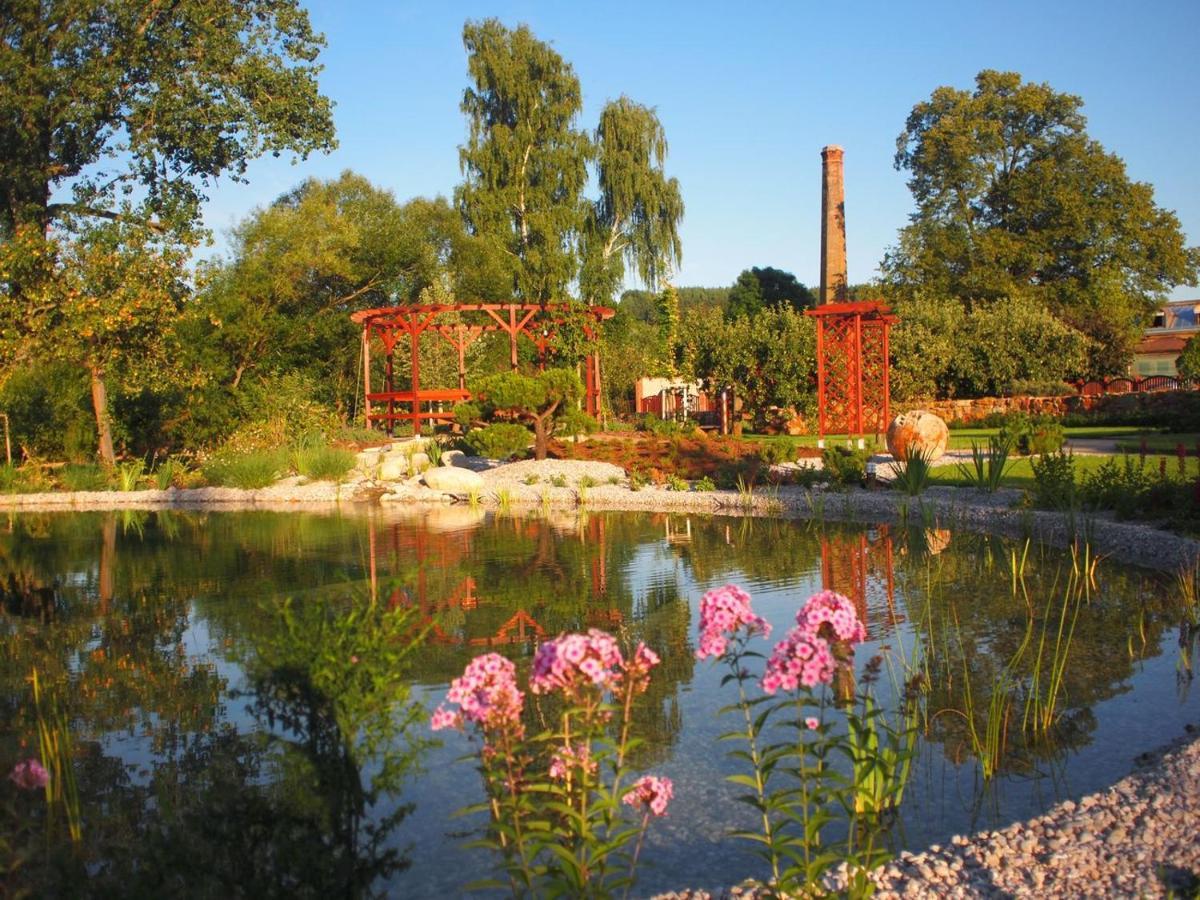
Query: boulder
x=393, y=466
x=452, y=457
x=917, y=430
x=453, y=480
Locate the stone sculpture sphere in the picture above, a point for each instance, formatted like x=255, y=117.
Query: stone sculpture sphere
x=917, y=430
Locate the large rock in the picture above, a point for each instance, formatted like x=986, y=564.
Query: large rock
x=393, y=466
x=453, y=480
x=917, y=430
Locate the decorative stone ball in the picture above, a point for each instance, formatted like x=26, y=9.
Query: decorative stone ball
x=918, y=430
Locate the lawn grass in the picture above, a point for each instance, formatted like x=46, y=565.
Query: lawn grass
x=1019, y=473
x=962, y=438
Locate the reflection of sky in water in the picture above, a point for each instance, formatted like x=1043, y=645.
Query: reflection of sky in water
x=780, y=563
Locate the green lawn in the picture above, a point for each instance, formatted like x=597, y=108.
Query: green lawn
x=1020, y=470
x=962, y=438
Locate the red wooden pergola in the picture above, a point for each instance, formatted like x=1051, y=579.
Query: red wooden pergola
x=538, y=323
x=852, y=367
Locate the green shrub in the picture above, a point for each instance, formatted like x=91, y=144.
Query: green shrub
x=1037, y=434
x=774, y=453
x=705, y=484
x=638, y=480
x=675, y=483
x=1054, y=481
x=83, y=477
x=845, y=466
x=652, y=424
x=248, y=470
x=558, y=480
x=1120, y=486
x=321, y=463
x=166, y=473
x=502, y=440
x=1032, y=387
x=26, y=479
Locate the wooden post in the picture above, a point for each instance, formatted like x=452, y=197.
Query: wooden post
x=366, y=339
x=390, y=386
x=7, y=441
x=858, y=375
x=415, y=343
x=512, y=336
x=462, y=359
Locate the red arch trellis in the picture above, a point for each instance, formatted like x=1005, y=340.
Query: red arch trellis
x=852, y=367
x=390, y=324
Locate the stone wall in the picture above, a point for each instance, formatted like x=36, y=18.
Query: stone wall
x=1164, y=404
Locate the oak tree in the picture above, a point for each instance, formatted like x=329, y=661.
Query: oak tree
x=1015, y=199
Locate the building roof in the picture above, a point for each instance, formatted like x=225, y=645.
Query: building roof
x=1162, y=343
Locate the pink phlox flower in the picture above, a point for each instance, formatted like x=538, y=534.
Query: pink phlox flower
x=29, y=775
x=444, y=718
x=837, y=612
x=486, y=695
x=572, y=661
x=801, y=658
x=652, y=792
x=812, y=723
x=571, y=757
x=638, y=667
x=723, y=612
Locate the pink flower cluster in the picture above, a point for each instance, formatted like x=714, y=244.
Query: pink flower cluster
x=651, y=792
x=486, y=694
x=573, y=757
x=723, y=611
x=29, y=775
x=638, y=667
x=572, y=661
x=829, y=608
x=805, y=656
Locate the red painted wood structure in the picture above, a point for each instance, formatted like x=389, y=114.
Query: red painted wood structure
x=391, y=324
x=852, y=367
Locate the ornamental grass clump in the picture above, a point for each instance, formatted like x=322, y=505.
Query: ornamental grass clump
x=557, y=801
x=806, y=717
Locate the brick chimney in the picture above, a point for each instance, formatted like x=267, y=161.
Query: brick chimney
x=833, y=227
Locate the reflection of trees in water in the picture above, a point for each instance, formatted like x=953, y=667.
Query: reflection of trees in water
x=284, y=810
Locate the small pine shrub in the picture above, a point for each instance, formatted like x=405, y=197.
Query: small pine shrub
x=774, y=453
x=845, y=466
x=558, y=480
x=503, y=440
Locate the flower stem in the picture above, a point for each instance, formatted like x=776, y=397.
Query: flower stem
x=760, y=784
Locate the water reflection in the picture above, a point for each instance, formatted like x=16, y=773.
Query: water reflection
x=238, y=685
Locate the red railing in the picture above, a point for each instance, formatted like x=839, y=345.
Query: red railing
x=1123, y=385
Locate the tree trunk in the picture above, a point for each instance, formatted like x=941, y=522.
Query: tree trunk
x=103, y=426
x=541, y=436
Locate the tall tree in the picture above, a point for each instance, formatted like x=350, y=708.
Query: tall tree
x=1014, y=199
x=767, y=288
x=136, y=107
x=525, y=161
x=635, y=220
x=106, y=300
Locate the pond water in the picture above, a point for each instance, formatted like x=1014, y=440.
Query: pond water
x=231, y=682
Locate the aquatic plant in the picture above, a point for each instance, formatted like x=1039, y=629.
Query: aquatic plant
x=988, y=465
x=128, y=474
x=554, y=800
x=797, y=789
x=57, y=773
x=911, y=474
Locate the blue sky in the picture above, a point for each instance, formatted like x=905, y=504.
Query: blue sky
x=749, y=93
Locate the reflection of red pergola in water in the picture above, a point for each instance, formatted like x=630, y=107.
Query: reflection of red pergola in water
x=852, y=367
x=536, y=322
